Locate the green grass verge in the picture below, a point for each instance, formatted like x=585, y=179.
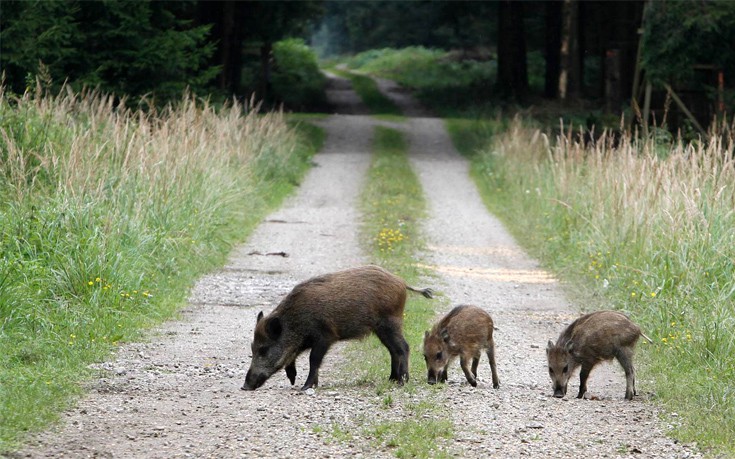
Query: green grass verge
x=393, y=207
x=378, y=104
x=442, y=81
x=638, y=231
x=106, y=220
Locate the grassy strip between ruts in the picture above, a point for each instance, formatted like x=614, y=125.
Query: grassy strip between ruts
x=393, y=206
x=644, y=227
x=378, y=104
x=106, y=218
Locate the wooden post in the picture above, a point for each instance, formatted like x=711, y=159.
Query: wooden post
x=646, y=108
x=685, y=110
x=720, y=93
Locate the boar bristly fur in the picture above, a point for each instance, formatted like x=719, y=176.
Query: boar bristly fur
x=344, y=305
x=465, y=332
x=589, y=340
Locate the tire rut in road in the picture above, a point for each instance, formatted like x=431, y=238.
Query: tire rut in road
x=479, y=263
x=179, y=395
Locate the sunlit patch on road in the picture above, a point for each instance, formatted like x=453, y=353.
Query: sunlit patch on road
x=521, y=276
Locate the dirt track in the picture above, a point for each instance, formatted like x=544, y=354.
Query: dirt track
x=179, y=394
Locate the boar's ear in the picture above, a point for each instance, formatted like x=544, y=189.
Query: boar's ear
x=445, y=335
x=274, y=327
x=569, y=347
x=260, y=316
x=549, y=345
x=426, y=334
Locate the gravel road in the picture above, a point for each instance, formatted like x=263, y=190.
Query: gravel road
x=178, y=394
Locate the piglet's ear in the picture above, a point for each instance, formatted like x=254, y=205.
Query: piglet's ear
x=274, y=328
x=549, y=345
x=260, y=316
x=445, y=335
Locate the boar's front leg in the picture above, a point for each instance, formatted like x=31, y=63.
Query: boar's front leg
x=318, y=350
x=291, y=372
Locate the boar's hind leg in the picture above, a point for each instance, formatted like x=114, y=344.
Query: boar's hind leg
x=318, y=350
x=625, y=357
x=493, y=367
x=475, y=362
x=389, y=333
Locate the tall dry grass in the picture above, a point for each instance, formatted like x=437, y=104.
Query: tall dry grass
x=107, y=215
x=649, y=227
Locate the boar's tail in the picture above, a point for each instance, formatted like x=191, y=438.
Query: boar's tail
x=647, y=338
x=427, y=292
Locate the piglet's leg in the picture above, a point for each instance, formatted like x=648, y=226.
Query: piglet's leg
x=464, y=362
x=584, y=373
x=625, y=357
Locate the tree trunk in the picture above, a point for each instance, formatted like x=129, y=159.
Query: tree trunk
x=265, y=68
x=571, y=69
x=512, y=69
x=553, y=48
x=224, y=16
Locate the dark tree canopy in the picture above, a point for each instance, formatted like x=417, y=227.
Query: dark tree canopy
x=126, y=47
x=680, y=35
x=226, y=47
x=355, y=26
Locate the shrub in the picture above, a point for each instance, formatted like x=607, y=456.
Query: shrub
x=297, y=80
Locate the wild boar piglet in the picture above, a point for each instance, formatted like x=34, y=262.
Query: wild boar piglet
x=465, y=331
x=589, y=340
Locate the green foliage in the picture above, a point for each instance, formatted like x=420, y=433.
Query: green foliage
x=350, y=27
x=681, y=34
x=123, y=47
x=106, y=218
x=443, y=81
x=35, y=32
x=297, y=80
x=646, y=233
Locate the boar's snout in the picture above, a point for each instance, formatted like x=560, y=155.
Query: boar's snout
x=253, y=381
x=560, y=392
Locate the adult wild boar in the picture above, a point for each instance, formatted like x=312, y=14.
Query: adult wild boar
x=589, y=340
x=465, y=331
x=338, y=306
